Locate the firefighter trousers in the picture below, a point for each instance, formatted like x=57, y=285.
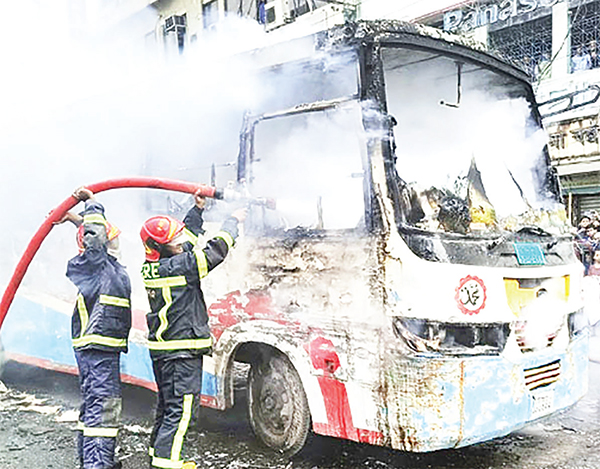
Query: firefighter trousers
x=100, y=412
x=179, y=382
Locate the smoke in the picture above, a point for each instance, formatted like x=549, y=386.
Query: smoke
x=81, y=106
x=313, y=167
x=450, y=114
x=85, y=105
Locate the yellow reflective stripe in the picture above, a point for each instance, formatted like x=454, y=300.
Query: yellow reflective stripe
x=192, y=237
x=202, y=263
x=100, y=340
x=151, y=451
x=114, y=301
x=226, y=237
x=178, y=281
x=83, y=313
x=100, y=431
x=165, y=284
x=162, y=314
x=188, y=400
x=166, y=463
x=180, y=344
x=94, y=218
x=80, y=425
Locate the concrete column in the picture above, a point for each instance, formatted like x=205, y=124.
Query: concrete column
x=561, y=41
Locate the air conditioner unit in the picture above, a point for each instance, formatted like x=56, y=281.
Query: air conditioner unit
x=277, y=13
x=172, y=22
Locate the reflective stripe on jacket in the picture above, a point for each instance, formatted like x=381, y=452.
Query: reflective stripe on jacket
x=178, y=320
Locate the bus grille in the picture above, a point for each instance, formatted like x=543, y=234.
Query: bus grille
x=543, y=375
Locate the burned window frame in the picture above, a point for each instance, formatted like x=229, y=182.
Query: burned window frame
x=246, y=156
x=380, y=122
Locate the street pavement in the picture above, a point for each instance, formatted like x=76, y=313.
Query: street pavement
x=38, y=418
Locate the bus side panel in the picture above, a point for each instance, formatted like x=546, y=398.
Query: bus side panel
x=38, y=332
x=322, y=293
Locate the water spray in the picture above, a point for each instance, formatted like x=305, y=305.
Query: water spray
x=130, y=182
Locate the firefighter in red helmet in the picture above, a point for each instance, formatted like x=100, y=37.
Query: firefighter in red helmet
x=178, y=332
x=100, y=327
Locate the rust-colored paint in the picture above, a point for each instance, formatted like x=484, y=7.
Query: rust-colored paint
x=462, y=401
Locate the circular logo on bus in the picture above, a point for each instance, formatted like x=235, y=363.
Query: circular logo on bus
x=471, y=295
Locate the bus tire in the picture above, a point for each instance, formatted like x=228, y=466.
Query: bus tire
x=277, y=405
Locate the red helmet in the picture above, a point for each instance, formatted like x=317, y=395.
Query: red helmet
x=162, y=229
x=111, y=233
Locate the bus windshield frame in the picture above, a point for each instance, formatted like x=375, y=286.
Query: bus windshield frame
x=468, y=145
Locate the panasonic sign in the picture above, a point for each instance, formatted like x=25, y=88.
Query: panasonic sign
x=459, y=20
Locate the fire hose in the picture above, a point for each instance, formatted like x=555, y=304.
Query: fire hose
x=58, y=213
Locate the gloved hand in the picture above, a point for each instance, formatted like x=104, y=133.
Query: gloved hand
x=83, y=194
x=199, y=199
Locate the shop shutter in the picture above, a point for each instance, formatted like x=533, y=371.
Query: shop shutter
x=589, y=202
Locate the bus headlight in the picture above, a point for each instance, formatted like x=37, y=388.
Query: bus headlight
x=423, y=335
x=578, y=321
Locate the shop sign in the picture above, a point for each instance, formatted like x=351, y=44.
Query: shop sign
x=481, y=15
x=574, y=138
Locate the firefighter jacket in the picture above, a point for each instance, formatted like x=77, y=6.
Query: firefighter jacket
x=102, y=316
x=178, y=319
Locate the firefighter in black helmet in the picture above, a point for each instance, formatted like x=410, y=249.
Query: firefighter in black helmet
x=178, y=332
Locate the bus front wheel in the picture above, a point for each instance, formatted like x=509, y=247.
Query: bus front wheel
x=277, y=405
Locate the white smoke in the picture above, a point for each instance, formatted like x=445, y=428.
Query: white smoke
x=442, y=128
x=83, y=106
x=80, y=107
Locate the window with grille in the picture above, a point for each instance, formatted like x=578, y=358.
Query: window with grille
x=585, y=36
x=210, y=14
x=527, y=44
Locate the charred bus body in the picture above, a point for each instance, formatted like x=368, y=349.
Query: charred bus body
x=416, y=286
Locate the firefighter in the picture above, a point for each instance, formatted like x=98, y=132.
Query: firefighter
x=178, y=332
x=100, y=327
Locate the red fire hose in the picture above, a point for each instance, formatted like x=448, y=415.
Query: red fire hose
x=68, y=204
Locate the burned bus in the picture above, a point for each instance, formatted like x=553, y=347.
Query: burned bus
x=414, y=285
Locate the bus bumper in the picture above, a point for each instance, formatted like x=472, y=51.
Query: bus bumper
x=438, y=403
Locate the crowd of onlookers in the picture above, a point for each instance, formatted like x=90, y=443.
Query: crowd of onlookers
x=588, y=251
x=588, y=242
x=585, y=57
